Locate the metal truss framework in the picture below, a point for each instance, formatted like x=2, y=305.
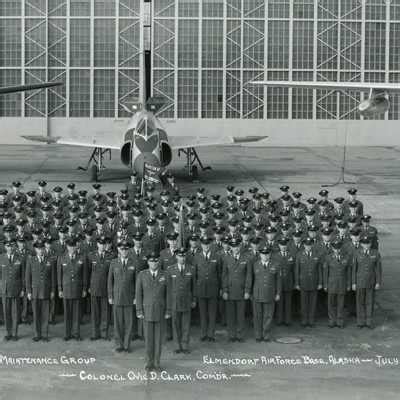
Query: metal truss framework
x=205, y=53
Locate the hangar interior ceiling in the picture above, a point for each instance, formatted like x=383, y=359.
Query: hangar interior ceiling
x=204, y=54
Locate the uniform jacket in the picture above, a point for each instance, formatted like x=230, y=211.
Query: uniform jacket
x=139, y=260
x=167, y=259
x=181, y=288
x=367, y=269
x=98, y=272
x=308, y=271
x=337, y=273
x=152, y=244
x=72, y=276
x=121, y=282
x=41, y=277
x=151, y=295
x=286, y=266
x=266, y=282
x=12, y=275
x=208, y=274
x=236, y=276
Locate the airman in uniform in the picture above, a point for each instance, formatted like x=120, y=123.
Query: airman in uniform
x=208, y=270
x=265, y=287
x=121, y=294
x=366, y=279
x=151, y=308
x=12, y=288
x=99, y=265
x=72, y=277
x=308, y=279
x=337, y=281
x=181, y=298
x=41, y=278
x=286, y=263
x=236, y=278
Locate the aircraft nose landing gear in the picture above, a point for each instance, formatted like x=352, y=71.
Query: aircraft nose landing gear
x=95, y=163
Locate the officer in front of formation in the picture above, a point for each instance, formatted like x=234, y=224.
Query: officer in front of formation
x=121, y=294
x=308, y=279
x=208, y=269
x=181, y=298
x=41, y=279
x=151, y=308
x=99, y=265
x=366, y=279
x=337, y=282
x=72, y=274
x=265, y=287
x=12, y=288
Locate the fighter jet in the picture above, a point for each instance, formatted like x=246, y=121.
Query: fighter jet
x=378, y=101
x=144, y=140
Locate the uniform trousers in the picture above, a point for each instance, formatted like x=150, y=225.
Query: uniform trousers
x=263, y=314
x=336, y=308
x=285, y=307
x=11, y=314
x=208, y=315
x=100, y=316
x=308, y=299
x=235, y=318
x=181, y=327
x=123, y=325
x=365, y=299
x=72, y=317
x=41, y=312
x=153, y=340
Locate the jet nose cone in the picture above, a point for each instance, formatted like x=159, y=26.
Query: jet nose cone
x=148, y=158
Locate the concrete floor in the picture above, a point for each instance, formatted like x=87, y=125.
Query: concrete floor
x=375, y=172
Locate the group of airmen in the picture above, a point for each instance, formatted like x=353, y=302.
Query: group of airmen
x=146, y=262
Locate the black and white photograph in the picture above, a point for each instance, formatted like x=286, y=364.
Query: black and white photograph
x=199, y=199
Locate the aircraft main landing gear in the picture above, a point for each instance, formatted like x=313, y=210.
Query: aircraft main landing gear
x=191, y=159
x=95, y=163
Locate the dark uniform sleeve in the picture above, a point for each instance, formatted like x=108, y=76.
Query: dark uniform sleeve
x=28, y=275
x=225, y=277
x=325, y=272
x=249, y=278
x=139, y=294
x=297, y=271
x=349, y=273
x=278, y=282
x=59, y=274
x=110, y=282
x=320, y=272
x=169, y=291
x=378, y=271
x=194, y=289
x=354, y=270
x=54, y=275
x=85, y=273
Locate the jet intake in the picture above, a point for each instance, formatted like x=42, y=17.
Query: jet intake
x=126, y=154
x=378, y=104
x=165, y=154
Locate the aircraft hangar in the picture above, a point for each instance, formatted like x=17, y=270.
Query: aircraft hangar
x=204, y=56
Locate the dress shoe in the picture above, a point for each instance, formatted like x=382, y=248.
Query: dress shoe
x=77, y=338
x=267, y=339
x=45, y=339
x=128, y=350
x=169, y=338
x=340, y=325
x=178, y=351
x=369, y=326
x=186, y=351
x=203, y=338
x=148, y=367
x=360, y=326
x=94, y=338
x=36, y=338
x=7, y=338
x=119, y=349
x=311, y=325
x=331, y=325
x=240, y=340
x=67, y=338
x=15, y=338
x=232, y=339
x=259, y=340
x=211, y=339
x=140, y=337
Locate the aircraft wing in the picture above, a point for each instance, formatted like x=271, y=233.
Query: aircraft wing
x=92, y=142
x=23, y=88
x=389, y=87
x=183, y=142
